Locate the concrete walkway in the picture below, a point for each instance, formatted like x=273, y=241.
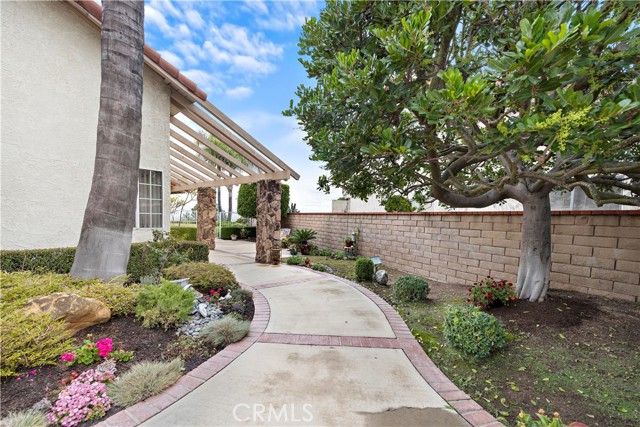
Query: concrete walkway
x=321, y=351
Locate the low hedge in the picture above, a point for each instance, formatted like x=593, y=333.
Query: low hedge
x=142, y=261
x=226, y=232
x=184, y=233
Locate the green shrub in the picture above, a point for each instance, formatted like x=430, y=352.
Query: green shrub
x=322, y=252
x=302, y=235
x=204, y=276
x=295, y=260
x=143, y=380
x=364, y=269
x=58, y=260
x=472, y=331
x=225, y=331
x=30, y=341
x=411, y=288
x=398, y=204
x=20, y=286
x=26, y=418
x=184, y=233
x=120, y=299
x=146, y=259
x=166, y=305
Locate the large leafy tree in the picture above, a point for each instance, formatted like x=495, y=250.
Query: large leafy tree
x=105, y=239
x=473, y=103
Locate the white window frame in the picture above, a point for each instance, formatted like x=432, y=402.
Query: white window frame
x=138, y=200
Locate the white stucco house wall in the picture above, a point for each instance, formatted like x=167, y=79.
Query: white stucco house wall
x=50, y=84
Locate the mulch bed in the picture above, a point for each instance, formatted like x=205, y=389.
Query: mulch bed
x=126, y=332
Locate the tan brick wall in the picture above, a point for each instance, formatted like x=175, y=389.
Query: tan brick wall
x=595, y=252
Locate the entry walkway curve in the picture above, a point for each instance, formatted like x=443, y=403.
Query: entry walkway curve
x=322, y=351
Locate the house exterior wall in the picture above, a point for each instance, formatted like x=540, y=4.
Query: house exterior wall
x=50, y=80
x=595, y=252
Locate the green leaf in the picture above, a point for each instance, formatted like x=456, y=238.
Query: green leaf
x=525, y=27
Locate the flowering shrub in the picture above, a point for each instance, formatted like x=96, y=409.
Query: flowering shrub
x=84, y=399
x=215, y=295
x=490, y=292
x=91, y=352
x=525, y=420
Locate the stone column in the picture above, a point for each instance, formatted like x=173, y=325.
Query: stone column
x=206, y=231
x=268, y=218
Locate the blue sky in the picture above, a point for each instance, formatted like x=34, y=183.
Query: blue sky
x=244, y=54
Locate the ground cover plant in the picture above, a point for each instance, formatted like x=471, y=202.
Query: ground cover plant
x=47, y=360
x=576, y=354
x=204, y=276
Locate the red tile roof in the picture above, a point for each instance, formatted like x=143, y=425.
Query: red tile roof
x=95, y=10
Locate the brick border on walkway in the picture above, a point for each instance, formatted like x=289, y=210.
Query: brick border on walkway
x=457, y=399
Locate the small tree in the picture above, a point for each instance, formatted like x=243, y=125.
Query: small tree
x=247, y=200
x=398, y=204
x=473, y=103
x=247, y=203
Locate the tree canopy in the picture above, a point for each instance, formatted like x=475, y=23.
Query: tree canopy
x=472, y=103
x=467, y=101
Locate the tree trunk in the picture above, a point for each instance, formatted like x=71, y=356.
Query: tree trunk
x=230, y=191
x=535, y=253
x=206, y=223
x=105, y=238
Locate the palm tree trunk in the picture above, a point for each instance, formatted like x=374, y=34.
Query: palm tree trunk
x=105, y=239
x=230, y=191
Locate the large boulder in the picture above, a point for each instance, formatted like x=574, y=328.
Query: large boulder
x=77, y=312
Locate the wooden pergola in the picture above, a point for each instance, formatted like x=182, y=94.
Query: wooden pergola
x=193, y=166
x=198, y=163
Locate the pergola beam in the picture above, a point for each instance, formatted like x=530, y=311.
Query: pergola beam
x=281, y=175
x=230, y=172
x=184, y=156
x=207, y=122
x=192, y=133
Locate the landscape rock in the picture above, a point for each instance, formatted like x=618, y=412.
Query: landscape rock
x=77, y=312
x=381, y=277
x=202, y=309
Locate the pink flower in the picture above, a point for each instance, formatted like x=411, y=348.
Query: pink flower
x=104, y=347
x=68, y=357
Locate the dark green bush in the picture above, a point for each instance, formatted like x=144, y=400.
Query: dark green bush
x=295, y=260
x=58, y=260
x=472, y=331
x=204, y=276
x=146, y=259
x=184, y=233
x=398, y=204
x=411, y=288
x=167, y=305
x=364, y=269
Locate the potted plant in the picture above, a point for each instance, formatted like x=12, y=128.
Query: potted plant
x=348, y=241
x=301, y=239
x=293, y=250
x=234, y=236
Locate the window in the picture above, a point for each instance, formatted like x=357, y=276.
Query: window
x=150, y=199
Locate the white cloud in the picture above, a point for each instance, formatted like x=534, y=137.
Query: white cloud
x=208, y=81
x=194, y=18
x=172, y=58
x=257, y=6
x=190, y=52
x=236, y=39
x=287, y=15
x=250, y=65
x=240, y=92
x=153, y=16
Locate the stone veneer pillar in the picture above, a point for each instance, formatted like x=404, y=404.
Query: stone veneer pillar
x=268, y=218
x=206, y=224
